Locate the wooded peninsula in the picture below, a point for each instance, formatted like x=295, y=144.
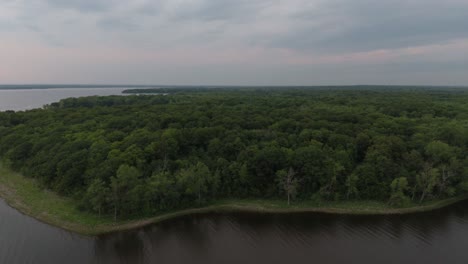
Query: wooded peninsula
x=136, y=156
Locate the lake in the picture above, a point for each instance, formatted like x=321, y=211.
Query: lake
x=435, y=237
x=23, y=99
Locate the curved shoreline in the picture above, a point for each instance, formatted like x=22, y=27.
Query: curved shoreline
x=90, y=225
x=227, y=207
x=256, y=208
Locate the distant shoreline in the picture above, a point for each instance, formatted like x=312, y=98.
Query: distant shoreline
x=71, y=86
x=156, y=86
x=24, y=195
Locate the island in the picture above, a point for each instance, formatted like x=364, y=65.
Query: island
x=95, y=165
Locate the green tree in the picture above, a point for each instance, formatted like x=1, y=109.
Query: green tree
x=288, y=182
x=162, y=190
x=197, y=181
x=438, y=151
x=334, y=169
x=398, y=197
x=351, y=186
x=448, y=172
x=97, y=195
x=125, y=180
x=426, y=180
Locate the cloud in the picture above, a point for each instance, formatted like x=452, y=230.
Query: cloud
x=206, y=10
x=342, y=26
x=320, y=26
x=289, y=38
x=110, y=23
x=83, y=5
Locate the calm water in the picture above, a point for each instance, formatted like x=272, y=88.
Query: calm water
x=35, y=98
x=435, y=237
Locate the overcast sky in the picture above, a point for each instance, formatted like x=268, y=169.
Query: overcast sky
x=234, y=42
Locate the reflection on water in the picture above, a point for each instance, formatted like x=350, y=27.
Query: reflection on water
x=25, y=240
x=434, y=237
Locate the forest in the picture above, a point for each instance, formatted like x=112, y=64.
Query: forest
x=133, y=155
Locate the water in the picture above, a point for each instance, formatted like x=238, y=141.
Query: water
x=435, y=237
x=25, y=99
x=26, y=240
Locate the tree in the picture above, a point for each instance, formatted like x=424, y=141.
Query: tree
x=125, y=180
x=266, y=162
x=426, y=181
x=197, y=180
x=439, y=151
x=448, y=171
x=288, y=182
x=362, y=143
x=443, y=157
x=162, y=189
x=334, y=169
x=309, y=162
x=168, y=143
x=399, y=187
x=97, y=194
x=351, y=186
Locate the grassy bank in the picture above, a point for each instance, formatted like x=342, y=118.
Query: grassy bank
x=25, y=195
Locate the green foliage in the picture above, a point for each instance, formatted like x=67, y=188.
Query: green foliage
x=288, y=182
x=197, y=181
x=438, y=151
x=139, y=155
x=97, y=195
x=399, y=187
x=124, y=185
x=351, y=186
x=162, y=191
x=426, y=181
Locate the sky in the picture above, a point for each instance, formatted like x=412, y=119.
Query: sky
x=234, y=42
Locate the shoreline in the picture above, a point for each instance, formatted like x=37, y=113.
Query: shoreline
x=25, y=196
x=233, y=207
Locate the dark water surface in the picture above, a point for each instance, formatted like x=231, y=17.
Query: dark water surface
x=435, y=237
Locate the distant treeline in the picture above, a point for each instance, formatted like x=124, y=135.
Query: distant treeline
x=193, y=89
x=138, y=155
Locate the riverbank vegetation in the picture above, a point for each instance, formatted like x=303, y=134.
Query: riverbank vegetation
x=123, y=157
x=31, y=199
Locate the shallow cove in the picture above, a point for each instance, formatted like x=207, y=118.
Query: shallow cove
x=430, y=237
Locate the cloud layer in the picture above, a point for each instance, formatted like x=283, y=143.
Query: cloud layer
x=296, y=42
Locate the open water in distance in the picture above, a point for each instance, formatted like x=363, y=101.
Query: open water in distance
x=25, y=99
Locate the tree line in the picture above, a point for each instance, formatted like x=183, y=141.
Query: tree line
x=139, y=155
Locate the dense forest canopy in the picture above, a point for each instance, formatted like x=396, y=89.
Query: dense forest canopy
x=139, y=155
